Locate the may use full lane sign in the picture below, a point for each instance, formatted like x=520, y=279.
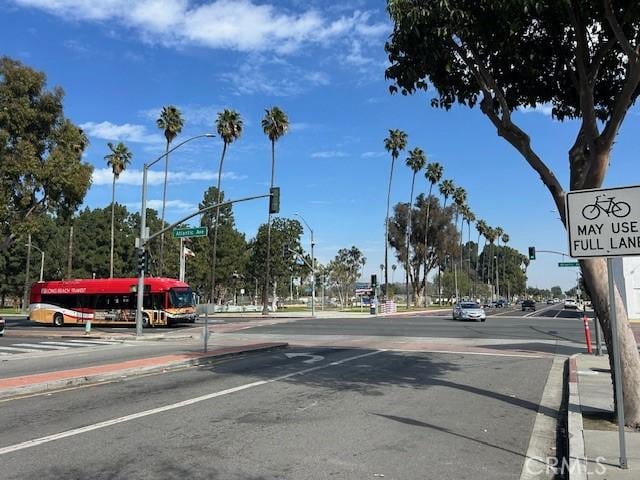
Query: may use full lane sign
x=604, y=222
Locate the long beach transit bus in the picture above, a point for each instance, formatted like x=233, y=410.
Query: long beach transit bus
x=111, y=301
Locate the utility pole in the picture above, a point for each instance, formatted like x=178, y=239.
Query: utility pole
x=70, y=257
x=25, y=300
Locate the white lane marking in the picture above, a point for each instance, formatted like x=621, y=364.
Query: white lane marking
x=65, y=344
x=465, y=352
x=114, y=421
x=38, y=345
x=535, y=312
x=312, y=358
x=21, y=350
x=96, y=342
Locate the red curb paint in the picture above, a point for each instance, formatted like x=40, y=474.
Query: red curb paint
x=167, y=360
x=573, y=370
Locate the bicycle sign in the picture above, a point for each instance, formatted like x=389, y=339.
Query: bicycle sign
x=603, y=222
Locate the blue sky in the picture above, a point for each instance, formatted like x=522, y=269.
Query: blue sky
x=323, y=63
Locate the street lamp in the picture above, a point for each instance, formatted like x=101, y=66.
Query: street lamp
x=143, y=225
x=41, y=259
x=313, y=268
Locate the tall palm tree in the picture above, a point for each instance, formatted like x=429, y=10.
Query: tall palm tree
x=170, y=121
x=481, y=227
x=447, y=187
x=460, y=199
x=491, y=236
x=393, y=270
x=469, y=217
x=505, y=240
x=275, y=124
x=394, y=144
x=499, y=232
x=229, y=127
x=119, y=158
x=415, y=161
x=433, y=174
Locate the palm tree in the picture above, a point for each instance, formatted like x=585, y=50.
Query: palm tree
x=394, y=144
x=118, y=160
x=170, y=121
x=499, y=232
x=481, y=227
x=447, y=188
x=491, y=236
x=469, y=217
x=460, y=199
x=274, y=124
x=505, y=240
x=229, y=127
x=433, y=174
x=415, y=161
x=393, y=270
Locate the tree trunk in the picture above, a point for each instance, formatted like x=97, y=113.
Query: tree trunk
x=595, y=274
x=164, y=202
x=386, y=233
x=113, y=204
x=215, y=227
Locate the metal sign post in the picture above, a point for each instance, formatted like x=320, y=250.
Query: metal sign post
x=605, y=223
x=616, y=364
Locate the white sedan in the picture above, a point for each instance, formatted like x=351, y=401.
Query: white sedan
x=469, y=311
x=570, y=303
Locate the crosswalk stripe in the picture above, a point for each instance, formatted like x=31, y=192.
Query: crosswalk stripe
x=38, y=345
x=93, y=342
x=66, y=344
x=22, y=350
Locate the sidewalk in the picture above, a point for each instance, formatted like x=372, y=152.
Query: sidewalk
x=58, y=379
x=593, y=432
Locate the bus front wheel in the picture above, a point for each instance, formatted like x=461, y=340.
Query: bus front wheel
x=145, y=321
x=58, y=320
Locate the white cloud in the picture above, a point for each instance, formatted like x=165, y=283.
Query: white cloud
x=229, y=24
x=373, y=154
x=126, y=132
x=104, y=176
x=170, y=205
x=328, y=154
x=545, y=109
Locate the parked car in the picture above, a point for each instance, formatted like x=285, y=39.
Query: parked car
x=550, y=301
x=502, y=303
x=468, y=311
x=528, y=305
x=570, y=304
x=1, y=326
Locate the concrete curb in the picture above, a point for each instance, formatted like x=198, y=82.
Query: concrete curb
x=115, y=374
x=542, y=443
x=577, y=458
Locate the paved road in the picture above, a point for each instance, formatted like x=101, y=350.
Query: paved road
x=351, y=414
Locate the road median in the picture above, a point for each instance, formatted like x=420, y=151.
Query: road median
x=56, y=380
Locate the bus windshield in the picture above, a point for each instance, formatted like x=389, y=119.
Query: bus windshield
x=181, y=297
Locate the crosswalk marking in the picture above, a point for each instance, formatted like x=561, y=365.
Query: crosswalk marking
x=49, y=346
x=38, y=345
x=64, y=344
x=21, y=350
x=91, y=342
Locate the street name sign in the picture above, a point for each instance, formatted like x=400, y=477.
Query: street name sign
x=568, y=264
x=190, y=232
x=603, y=222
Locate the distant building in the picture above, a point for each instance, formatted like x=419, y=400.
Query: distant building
x=627, y=278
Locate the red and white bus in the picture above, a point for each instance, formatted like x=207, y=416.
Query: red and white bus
x=111, y=301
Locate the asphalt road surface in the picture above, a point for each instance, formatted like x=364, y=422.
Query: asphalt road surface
x=331, y=413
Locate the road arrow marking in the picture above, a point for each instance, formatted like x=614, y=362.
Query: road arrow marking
x=312, y=358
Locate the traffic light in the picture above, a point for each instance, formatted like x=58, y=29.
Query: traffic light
x=274, y=200
x=374, y=281
x=532, y=253
x=142, y=259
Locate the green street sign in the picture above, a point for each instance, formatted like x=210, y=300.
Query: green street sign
x=568, y=264
x=190, y=232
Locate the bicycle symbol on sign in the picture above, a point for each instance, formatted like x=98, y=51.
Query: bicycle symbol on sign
x=617, y=209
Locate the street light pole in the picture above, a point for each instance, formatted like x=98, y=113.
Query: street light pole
x=143, y=226
x=25, y=300
x=497, y=279
x=313, y=268
x=41, y=261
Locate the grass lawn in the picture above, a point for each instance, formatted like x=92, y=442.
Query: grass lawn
x=9, y=310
